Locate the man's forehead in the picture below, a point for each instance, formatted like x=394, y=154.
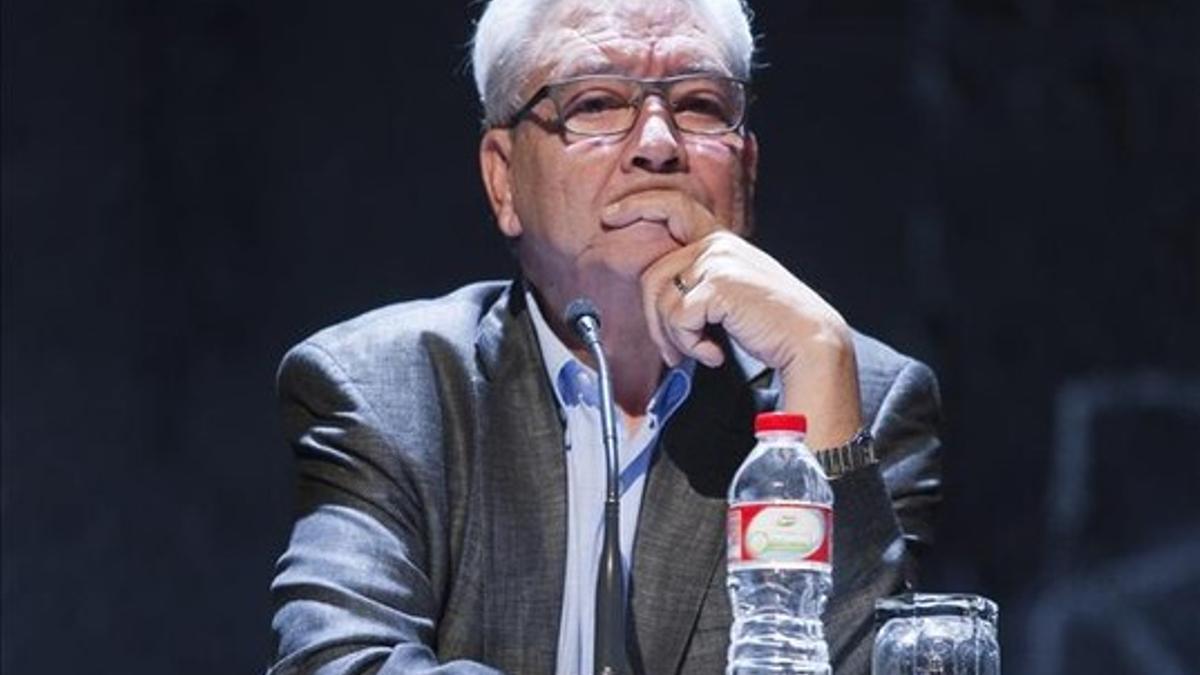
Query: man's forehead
x=658, y=38
x=631, y=62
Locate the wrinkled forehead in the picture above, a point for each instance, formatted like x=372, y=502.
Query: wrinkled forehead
x=658, y=38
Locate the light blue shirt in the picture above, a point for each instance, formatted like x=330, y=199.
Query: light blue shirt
x=576, y=387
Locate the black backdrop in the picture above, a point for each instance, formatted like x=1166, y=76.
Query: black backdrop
x=1007, y=190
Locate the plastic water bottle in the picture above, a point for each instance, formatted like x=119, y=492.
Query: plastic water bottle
x=780, y=538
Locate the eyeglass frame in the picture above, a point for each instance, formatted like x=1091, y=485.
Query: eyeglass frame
x=647, y=86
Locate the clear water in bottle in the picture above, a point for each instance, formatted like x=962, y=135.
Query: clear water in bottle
x=780, y=531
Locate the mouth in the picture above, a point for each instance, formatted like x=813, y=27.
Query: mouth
x=615, y=217
x=648, y=228
x=623, y=222
x=652, y=206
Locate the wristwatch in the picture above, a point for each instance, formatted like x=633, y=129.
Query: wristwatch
x=853, y=454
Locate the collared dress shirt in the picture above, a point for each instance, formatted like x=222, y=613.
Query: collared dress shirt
x=576, y=388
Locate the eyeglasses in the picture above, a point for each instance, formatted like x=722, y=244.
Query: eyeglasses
x=604, y=105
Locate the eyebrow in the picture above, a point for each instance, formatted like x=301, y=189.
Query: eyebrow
x=606, y=67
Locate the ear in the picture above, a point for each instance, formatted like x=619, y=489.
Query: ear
x=495, y=157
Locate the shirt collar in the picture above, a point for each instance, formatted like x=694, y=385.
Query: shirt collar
x=574, y=383
x=555, y=355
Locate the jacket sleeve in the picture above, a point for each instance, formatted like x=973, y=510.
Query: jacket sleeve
x=356, y=590
x=906, y=432
x=883, y=513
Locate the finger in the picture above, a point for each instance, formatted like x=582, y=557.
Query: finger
x=685, y=218
x=654, y=285
x=659, y=295
x=687, y=325
x=645, y=205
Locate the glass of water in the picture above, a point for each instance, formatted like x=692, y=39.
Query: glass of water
x=935, y=634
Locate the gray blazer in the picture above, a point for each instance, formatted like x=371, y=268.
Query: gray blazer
x=430, y=535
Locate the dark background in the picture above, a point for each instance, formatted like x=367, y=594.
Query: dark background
x=1007, y=190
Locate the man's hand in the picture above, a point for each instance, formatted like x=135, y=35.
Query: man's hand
x=724, y=280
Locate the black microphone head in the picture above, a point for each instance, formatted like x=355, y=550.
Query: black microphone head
x=579, y=308
x=584, y=319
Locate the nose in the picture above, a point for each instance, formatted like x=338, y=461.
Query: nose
x=654, y=144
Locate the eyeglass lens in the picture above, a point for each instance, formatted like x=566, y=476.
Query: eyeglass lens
x=608, y=105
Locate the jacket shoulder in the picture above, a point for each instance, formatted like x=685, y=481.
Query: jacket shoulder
x=396, y=352
x=402, y=331
x=881, y=368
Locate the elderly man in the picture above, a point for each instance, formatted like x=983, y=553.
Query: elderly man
x=450, y=465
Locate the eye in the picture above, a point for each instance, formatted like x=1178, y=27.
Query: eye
x=594, y=102
x=703, y=104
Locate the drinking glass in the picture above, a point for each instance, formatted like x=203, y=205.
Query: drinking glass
x=935, y=634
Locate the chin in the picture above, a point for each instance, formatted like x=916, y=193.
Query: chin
x=624, y=253
x=625, y=266
x=641, y=239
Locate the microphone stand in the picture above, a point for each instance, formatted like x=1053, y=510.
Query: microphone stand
x=609, y=655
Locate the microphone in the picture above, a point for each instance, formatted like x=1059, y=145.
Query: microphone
x=584, y=319
x=609, y=656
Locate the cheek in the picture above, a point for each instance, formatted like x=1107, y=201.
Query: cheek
x=584, y=170
x=564, y=185
x=539, y=187
x=718, y=164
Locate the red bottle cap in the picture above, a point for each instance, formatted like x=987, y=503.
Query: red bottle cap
x=778, y=421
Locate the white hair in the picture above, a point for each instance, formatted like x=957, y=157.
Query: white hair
x=505, y=46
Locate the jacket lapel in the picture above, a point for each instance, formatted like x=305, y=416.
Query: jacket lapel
x=525, y=485
x=681, y=529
